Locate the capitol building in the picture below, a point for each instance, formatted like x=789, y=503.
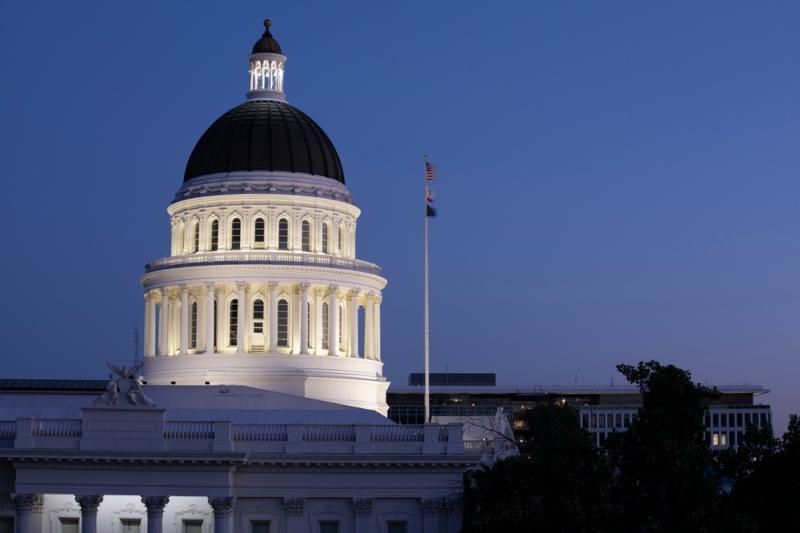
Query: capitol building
x=260, y=403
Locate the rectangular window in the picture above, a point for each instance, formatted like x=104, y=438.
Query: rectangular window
x=131, y=525
x=193, y=340
x=617, y=420
x=192, y=526
x=715, y=422
x=325, y=324
x=328, y=526
x=283, y=323
x=259, y=232
x=236, y=234
x=627, y=420
x=214, y=236
x=715, y=439
x=306, y=236
x=260, y=526
x=233, y=323
x=325, y=248
x=69, y=525
x=739, y=420
x=723, y=439
x=283, y=234
x=585, y=421
x=724, y=420
x=396, y=526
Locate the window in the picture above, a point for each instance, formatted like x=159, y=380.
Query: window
x=396, y=526
x=233, y=322
x=715, y=439
x=192, y=526
x=193, y=340
x=283, y=323
x=259, y=233
x=196, y=238
x=215, y=235
x=260, y=526
x=325, y=231
x=306, y=235
x=341, y=328
x=236, y=234
x=6, y=525
x=340, y=240
x=69, y=525
x=723, y=438
x=328, y=526
x=258, y=314
x=283, y=234
x=325, y=321
x=131, y=525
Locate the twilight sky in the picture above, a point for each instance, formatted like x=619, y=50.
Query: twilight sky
x=618, y=180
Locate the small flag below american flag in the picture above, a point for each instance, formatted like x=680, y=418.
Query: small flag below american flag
x=429, y=209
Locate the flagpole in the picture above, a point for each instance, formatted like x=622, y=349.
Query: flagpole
x=427, y=310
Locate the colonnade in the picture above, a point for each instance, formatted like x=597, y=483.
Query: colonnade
x=272, y=317
x=28, y=505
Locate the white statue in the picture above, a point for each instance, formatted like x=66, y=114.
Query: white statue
x=124, y=387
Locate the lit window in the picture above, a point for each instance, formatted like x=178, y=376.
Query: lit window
x=519, y=424
x=193, y=341
x=325, y=320
x=215, y=235
x=131, y=525
x=325, y=248
x=236, y=234
x=723, y=439
x=283, y=234
x=306, y=236
x=258, y=236
x=69, y=525
x=233, y=322
x=196, y=238
x=192, y=526
x=260, y=526
x=283, y=323
x=715, y=439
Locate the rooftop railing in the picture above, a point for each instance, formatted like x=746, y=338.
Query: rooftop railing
x=262, y=258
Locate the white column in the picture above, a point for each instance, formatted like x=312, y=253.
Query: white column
x=184, y=320
x=318, y=321
x=163, y=330
x=89, y=506
x=376, y=329
x=368, y=327
x=27, y=505
x=304, y=318
x=155, y=512
x=354, y=323
x=333, y=325
x=273, y=316
x=241, y=286
x=223, y=513
x=209, y=318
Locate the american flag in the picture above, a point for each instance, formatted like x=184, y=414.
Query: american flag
x=430, y=171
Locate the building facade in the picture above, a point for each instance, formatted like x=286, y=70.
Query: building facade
x=259, y=405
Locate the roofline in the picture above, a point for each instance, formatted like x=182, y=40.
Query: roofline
x=756, y=390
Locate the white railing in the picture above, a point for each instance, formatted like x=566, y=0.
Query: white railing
x=264, y=258
x=329, y=433
x=259, y=432
x=188, y=430
x=443, y=434
x=478, y=446
x=8, y=429
x=51, y=427
x=410, y=433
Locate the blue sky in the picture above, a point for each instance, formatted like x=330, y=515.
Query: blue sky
x=618, y=180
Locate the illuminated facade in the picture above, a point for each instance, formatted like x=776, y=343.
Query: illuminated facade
x=261, y=405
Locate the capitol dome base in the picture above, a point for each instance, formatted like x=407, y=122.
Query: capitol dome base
x=347, y=381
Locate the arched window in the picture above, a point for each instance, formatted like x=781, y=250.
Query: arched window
x=283, y=234
x=233, y=322
x=193, y=339
x=215, y=235
x=258, y=234
x=236, y=234
x=325, y=318
x=196, y=237
x=306, y=235
x=325, y=247
x=258, y=323
x=283, y=323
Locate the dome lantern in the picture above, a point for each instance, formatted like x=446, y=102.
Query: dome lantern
x=266, y=68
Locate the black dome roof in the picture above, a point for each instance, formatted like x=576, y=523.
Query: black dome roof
x=264, y=135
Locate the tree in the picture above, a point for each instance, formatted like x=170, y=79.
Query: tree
x=560, y=484
x=662, y=462
x=766, y=491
